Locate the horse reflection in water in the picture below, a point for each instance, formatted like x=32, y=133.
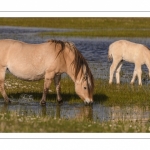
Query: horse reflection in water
x=57, y=111
x=81, y=113
x=47, y=60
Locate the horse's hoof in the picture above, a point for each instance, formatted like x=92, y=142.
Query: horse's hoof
x=7, y=101
x=60, y=102
x=43, y=103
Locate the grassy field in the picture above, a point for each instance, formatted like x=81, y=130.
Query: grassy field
x=105, y=94
x=86, y=27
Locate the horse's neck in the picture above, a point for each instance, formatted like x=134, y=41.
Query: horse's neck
x=70, y=67
x=71, y=73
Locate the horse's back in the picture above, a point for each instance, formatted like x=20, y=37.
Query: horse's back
x=129, y=51
x=28, y=61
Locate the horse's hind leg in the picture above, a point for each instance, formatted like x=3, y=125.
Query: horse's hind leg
x=118, y=72
x=112, y=69
x=2, y=90
x=58, y=89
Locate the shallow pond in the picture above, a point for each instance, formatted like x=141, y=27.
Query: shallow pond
x=95, y=51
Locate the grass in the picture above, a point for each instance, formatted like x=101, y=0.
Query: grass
x=86, y=27
x=123, y=94
x=105, y=94
x=15, y=87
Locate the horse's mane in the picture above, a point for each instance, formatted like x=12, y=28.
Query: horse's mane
x=80, y=64
x=58, y=42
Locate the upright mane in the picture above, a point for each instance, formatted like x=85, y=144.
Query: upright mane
x=80, y=64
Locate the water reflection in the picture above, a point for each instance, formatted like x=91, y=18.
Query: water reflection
x=75, y=111
x=80, y=112
x=132, y=113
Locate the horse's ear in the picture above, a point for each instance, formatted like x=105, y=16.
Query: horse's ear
x=84, y=69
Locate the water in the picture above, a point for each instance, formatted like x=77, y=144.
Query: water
x=95, y=51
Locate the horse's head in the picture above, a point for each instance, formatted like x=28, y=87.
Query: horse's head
x=84, y=88
x=80, y=72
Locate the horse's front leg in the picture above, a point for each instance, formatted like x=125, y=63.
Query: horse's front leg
x=47, y=81
x=2, y=90
x=58, y=89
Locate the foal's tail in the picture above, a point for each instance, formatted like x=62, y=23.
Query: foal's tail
x=110, y=58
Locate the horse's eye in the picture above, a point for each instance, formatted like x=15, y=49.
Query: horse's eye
x=85, y=88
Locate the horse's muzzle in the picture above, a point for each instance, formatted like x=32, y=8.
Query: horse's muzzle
x=88, y=102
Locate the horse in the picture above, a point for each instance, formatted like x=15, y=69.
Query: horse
x=135, y=53
x=46, y=61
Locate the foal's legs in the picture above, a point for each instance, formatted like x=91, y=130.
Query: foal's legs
x=118, y=72
x=2, y=90
x=134, y=76
x=137, y=72
x=58, y=89
x=47, y=81
x=113, y=68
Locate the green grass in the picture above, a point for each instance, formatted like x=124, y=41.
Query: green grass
x=15, y=87
x=86, y=27
x=105, y=94
x=123, y=94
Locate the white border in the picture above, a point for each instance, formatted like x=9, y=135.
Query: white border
x=75, y=135
x=75, y=14
x=78, y=8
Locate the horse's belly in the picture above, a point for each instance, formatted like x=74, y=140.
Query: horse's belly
x=27, y=74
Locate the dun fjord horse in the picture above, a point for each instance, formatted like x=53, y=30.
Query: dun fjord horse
x=47, y=60
x=131, y=52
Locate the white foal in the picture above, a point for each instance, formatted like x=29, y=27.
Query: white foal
x=131, y=52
